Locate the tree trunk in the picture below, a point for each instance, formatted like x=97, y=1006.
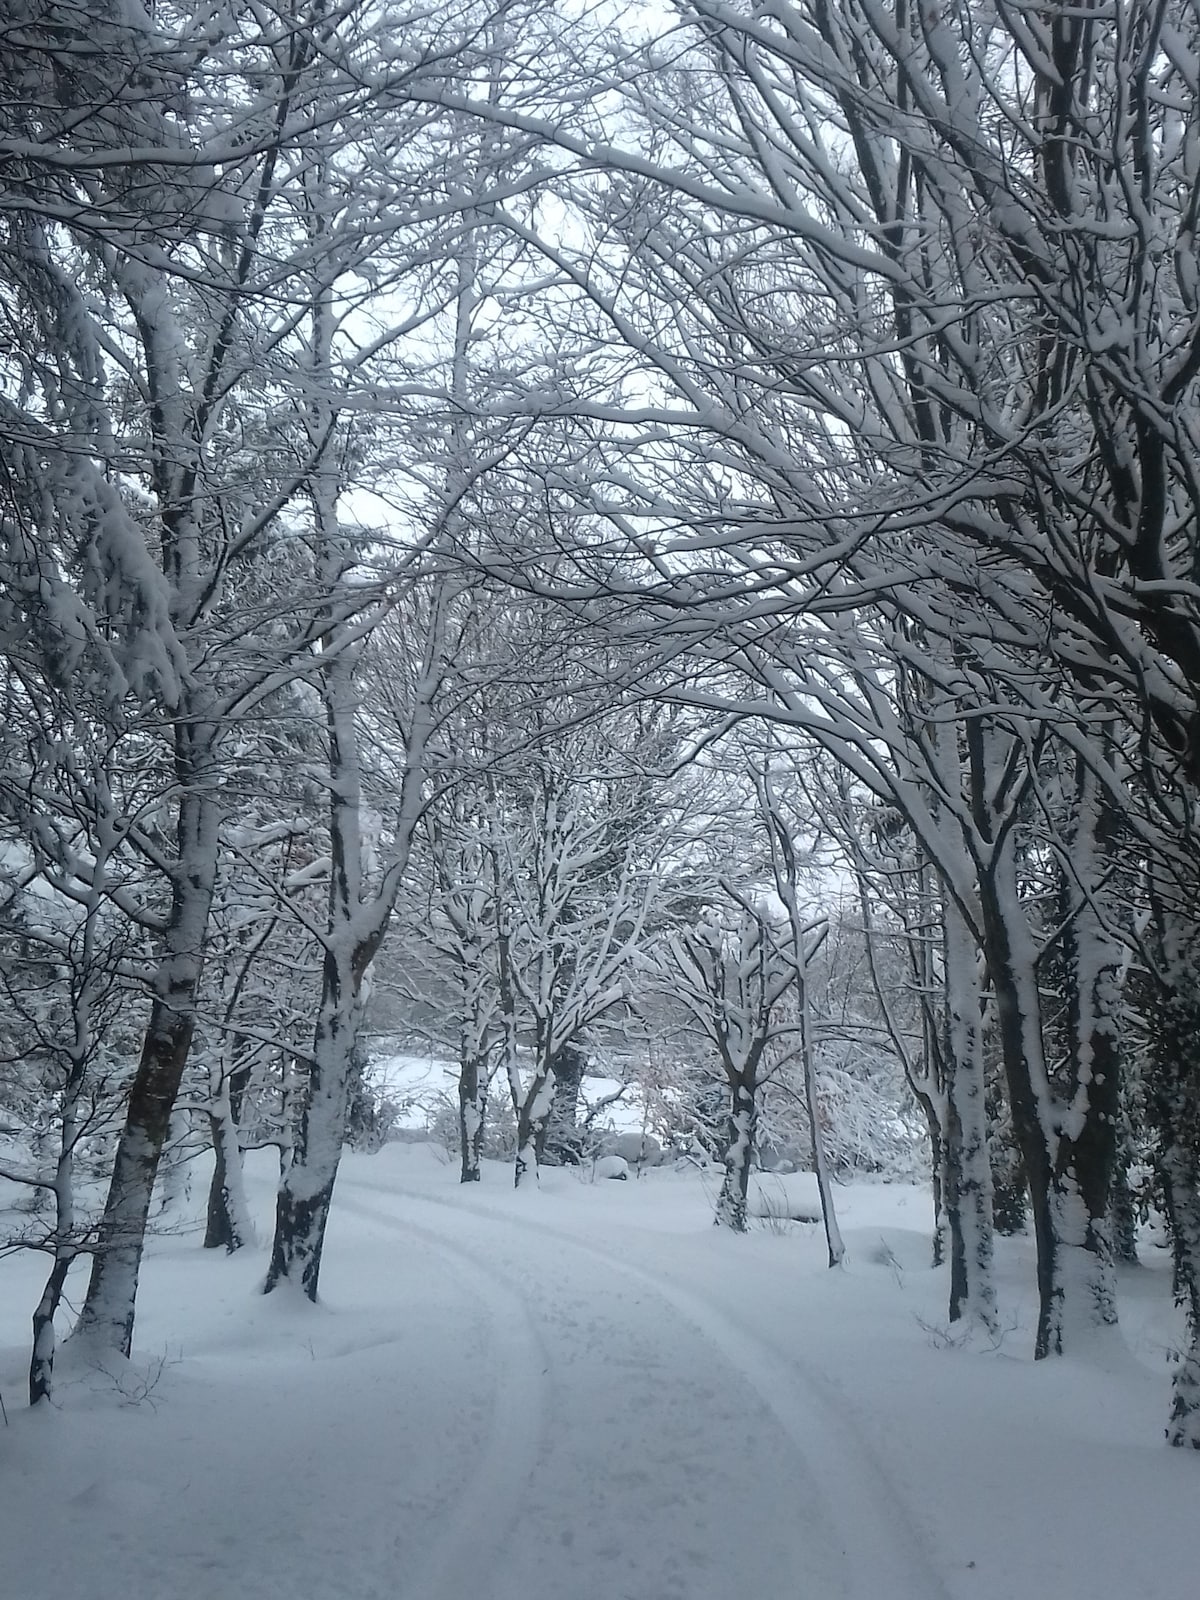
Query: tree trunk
x=108, y=1309
x=66, y=1245
x=1010, y=1185
x=1068, y=1175
x=1173, y=1104
x=1179, y=1167
x=531, y=1122
x=41, y=1365
x=472, y=1109
x=1087, y=1148
x=938, y=1174
x=306, y=1190
x=833, y=1234
x=560, y=1138
x=1122, y=1214
x=228, y=1224
x=739, y=1153
x=968, y=1219
x=968, y=1187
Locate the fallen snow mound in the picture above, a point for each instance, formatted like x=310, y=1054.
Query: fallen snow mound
x=638, y=1149
x=786, y=1196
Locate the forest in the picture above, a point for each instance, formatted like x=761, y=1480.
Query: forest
x=655, y=545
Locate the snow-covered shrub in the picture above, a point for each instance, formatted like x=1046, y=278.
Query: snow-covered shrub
x=869, y=1122
x=638, y=1149
x=610, y=1167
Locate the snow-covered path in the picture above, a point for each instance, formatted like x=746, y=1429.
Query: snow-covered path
x=656, y=1447
x=586, y=1393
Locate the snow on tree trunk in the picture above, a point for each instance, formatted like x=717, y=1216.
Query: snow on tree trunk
x=531, y=1123
x=1079, y=1291
x=228, y=1222
x=355, y=928
x=1073, y=1268
x=472, y=1111
x=306, y=1190
x=1078, y=1285
x=1088, y=1125
x=1068, y=1146
x=41, y=1365
x=739, y=1153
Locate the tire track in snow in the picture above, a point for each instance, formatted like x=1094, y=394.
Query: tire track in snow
x=861, y=1509
x=482, y=1518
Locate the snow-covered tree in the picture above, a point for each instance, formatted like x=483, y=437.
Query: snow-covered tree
x=730, y=972
x=160, y=425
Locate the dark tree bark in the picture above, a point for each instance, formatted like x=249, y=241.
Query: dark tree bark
x=1173, y=1106
x=108, y=1309
x=938, y=1175
x=1010, y=1188
x=472, y=1112
x=966, y=1189
x=1123, y=1201
x=560, y=1136
x=41, y=1365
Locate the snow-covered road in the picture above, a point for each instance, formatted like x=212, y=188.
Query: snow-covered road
x=583, y=1393
x=643, y=1444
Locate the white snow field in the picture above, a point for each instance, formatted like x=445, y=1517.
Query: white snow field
x=587, y=1392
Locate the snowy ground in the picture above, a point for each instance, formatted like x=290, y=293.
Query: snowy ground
x=588, y=1393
